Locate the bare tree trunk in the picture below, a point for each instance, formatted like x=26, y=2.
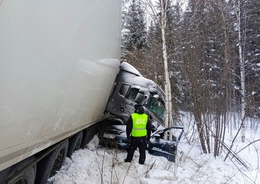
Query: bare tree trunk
x=201, y=131
x=242, y=72
x=168, y=119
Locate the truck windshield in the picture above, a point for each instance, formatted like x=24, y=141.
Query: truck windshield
x=154, y=104
x=157, y=107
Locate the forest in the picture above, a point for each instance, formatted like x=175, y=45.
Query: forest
x=205, y=54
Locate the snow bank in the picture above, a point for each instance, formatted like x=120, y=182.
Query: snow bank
x=96, y=165
x=99, y=165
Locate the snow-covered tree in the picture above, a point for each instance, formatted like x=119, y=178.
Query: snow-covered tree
x=251, y=20
x=135, y=27
x=204, y=51
x=134, y=41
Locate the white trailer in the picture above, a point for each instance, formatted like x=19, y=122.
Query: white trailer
x=58, y=63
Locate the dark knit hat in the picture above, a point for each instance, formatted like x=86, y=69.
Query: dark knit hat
x=139, y=108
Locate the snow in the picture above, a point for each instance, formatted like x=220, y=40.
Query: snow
x=99, y=165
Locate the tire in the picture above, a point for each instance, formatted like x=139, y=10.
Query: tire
x=52, y=163
x=28, y=177
x=75, y=143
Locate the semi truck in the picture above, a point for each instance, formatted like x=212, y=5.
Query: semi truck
x=58, y=63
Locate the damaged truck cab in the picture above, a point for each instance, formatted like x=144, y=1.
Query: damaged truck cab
x=132, y=88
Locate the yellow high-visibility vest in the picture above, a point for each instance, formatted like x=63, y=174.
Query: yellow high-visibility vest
x=139, y=125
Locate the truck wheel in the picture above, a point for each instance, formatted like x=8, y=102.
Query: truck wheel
x=75, y=143
x=52, y=163
x=27, y=177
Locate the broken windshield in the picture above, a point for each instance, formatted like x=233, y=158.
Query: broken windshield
x=157, y=107
x=154, y=104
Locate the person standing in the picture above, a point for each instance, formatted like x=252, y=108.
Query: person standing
x=138, y=130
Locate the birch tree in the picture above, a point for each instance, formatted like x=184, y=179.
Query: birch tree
x=167, y=85
x=168, y=119
x=238, y=13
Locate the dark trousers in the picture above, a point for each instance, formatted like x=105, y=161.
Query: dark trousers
x=136, y=142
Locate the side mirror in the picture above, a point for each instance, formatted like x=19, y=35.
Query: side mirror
x=140, y=98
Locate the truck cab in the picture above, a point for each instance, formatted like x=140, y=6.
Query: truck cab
x=132, y=88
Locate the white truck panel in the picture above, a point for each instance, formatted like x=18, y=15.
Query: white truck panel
x=58, y=62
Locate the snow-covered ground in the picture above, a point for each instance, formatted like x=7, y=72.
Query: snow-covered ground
x=98, y=165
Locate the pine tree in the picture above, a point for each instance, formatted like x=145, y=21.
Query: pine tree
x=252, y=53
x=134, y=39
x=153, y=54
x=135, y=27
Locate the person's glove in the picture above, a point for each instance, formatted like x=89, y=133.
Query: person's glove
x=128, y=139
x=147, y=141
